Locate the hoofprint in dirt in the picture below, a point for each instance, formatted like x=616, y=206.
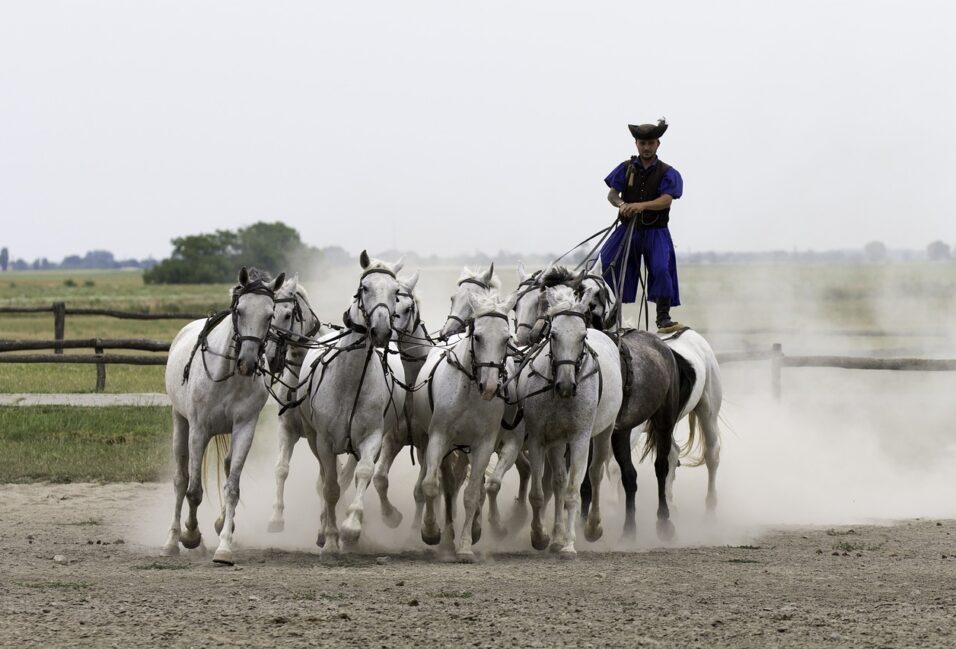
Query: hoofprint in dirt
x=71, y=573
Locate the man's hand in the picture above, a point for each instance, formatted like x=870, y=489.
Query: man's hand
x=629, y=210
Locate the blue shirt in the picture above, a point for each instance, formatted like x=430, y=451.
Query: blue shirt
x=671, y=184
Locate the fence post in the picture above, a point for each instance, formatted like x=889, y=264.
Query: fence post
x=59, y=324
x=100, y=367
x=776, y=368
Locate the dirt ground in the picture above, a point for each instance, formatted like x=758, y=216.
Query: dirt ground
x=861, y=586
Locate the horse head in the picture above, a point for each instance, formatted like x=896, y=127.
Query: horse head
x=568, y=316
x=407, y=311
x=373, y=308
x=470, y=282
x=489, y=334
x=252, y=310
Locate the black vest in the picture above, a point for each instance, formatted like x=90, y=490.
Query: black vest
x=641, y=185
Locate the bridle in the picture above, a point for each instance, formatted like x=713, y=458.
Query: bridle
x=366, y=314
x=530, y=286
x=468, y=280
x=452, y=359
x=257, y=287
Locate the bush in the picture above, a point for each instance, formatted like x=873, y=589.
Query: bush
x=69, y=283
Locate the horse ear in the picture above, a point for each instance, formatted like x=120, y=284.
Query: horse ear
x=491, y=273
x=509, y=304
x=522, y=273
x=364, y=260
x=585, y=300
x=594, y=266
x=412, y=281
x=243, y=276
x=400, y=264
x=575, y=283
x=278, y=282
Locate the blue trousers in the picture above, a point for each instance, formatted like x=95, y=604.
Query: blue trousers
x=656, y=248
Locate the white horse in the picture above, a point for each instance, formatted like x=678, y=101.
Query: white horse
x=213, y=384
x=570, y=391
x=414, y=344
x=471, y=282
x=463, y=412
x=351, y=397
x=295, y=323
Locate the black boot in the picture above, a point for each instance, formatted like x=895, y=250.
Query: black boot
x=664, y=313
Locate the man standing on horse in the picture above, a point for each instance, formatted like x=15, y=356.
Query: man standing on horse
x=642, y=188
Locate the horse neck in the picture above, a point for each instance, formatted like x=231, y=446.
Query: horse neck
x=220, y=343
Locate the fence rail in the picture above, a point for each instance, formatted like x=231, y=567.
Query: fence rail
x=778, y=360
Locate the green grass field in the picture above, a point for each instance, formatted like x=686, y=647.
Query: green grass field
x=70, y=444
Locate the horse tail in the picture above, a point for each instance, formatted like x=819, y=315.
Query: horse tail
x=650, y=440
x=686, y=449
x=221, y=451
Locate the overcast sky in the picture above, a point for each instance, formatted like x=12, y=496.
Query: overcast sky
x=452, y=127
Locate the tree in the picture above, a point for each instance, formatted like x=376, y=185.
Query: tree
x=875, y=251
x=4, y=258
x=212, y=258
x=938, y=251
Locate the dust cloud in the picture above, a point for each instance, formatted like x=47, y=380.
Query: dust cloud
x=840, y=447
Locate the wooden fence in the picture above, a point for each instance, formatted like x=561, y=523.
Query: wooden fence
x=778, y=360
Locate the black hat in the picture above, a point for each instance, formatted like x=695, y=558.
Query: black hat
x=648, y=131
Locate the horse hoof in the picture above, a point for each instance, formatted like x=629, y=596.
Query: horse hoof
x=466, y=556
x=320, y=540
x=431, y=537
x=665, y=530
x=540, y=541
x=593, y=532
x=568, y=554
x=498, y=530
x=393, y=518
x=276, y=526
x=350, y=535
x=223, y=557
x=191, y=539
x=555, y=547
x=170, y=550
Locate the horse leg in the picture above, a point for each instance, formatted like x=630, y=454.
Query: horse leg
x=198, y=439
x=507, y=455
x=586, y=485
x=572, y=491
x=347, y=472
x=601, y=451
x=472, y=501
x=710, y=438
x=559, y=481
x=241, y=443
x=181, y=458
x=453, y=470
x=390, y=450
x=665, y=436
x=417, y=492
x=434, y=454
x=621, y=446
x=288, y=437
x=539, y=539
x=328, y=538
x=368, y=452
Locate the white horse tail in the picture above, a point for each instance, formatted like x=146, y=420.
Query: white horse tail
x=221, y=451
x=686, y=449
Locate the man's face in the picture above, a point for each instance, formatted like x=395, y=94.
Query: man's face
x=647, y=148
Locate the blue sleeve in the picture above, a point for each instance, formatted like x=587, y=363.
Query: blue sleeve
x=672, y=183
x=615, y=179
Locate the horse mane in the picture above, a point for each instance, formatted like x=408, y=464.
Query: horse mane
x=478, y=274
x=557, y=275
x=487, y=303
x=255, y=274
x=563, y=299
